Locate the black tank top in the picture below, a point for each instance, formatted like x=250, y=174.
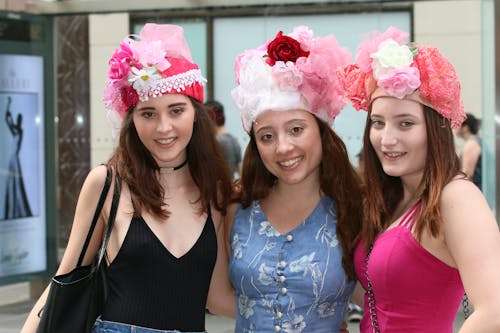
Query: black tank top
x=150, y=287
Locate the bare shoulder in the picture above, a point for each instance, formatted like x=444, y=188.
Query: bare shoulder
x=460, y=191
x=96, y=177
x=463, y=202
x=219, y=218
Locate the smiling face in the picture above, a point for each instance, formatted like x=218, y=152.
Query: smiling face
x=289, y=144
x=398, y=135
x=165, y=126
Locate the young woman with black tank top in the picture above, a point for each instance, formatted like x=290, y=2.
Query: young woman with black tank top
x=166, y=256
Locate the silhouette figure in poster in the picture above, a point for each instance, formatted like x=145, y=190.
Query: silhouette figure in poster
x=16, y=200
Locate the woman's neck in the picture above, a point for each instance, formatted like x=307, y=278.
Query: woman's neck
x=297, y=193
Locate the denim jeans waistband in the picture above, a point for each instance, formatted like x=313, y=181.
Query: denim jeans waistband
x=104, y=326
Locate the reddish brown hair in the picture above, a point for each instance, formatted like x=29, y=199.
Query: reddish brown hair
x=138, y=168
x=384, y=192
x=338, y=180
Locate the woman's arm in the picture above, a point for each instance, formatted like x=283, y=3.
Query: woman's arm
x=358, y=296
x=473, y=240
x=470, y=157
x=84, y=213
x=221, y=298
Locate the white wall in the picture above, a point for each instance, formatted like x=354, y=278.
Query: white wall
x=106, y=31
x=454, y=27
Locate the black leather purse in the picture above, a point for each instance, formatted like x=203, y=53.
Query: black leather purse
x=77, y=298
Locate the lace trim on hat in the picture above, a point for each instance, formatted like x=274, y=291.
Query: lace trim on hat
x=177, y=83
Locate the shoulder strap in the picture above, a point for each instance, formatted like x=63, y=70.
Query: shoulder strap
x=111, y=218
x=100, y=203
x=409, y=217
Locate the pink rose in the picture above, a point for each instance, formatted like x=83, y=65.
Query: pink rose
x=400, y=82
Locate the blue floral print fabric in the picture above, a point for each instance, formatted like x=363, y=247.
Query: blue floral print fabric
x=290, y=283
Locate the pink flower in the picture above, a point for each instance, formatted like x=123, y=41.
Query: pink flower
x=320, y=86
x=151, y=54
x=303, y=35
x=286, y=75
x=119, y=64
x=400, y=82
x=354, y=83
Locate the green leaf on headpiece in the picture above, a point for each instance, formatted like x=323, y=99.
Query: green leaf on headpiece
x=414, y=49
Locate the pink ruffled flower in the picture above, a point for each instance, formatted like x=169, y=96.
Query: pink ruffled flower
x=303, y=35
x=440, y=84
x=353, y=82
x=370, y=45
x=150, y=54
x=400, y=81
x=320, y=86
x=119, y=63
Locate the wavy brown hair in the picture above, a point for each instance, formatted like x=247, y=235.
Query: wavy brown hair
x=338, y=180
x=384, y=192
x=138, y=168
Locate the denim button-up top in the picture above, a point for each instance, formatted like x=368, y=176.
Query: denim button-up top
x=293, y=282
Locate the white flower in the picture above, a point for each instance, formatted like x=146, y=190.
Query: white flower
x=246, y=306
x=266, y=275
x=390, y=55
x=326, y=309
x=267, y=229
x=144, y=79
x=237, y=248
x=302, y=264
x=297, y=325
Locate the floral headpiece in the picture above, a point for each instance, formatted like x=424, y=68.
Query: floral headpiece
x=155, y=62
x=385, y=66
x=291, y=72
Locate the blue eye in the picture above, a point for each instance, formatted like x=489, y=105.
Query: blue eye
x=407, y=123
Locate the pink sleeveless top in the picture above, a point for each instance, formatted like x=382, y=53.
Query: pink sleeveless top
x=414, y=291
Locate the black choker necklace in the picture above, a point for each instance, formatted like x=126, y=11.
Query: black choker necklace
x=169, y=170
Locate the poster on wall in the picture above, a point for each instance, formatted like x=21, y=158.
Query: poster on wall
x=22, y=174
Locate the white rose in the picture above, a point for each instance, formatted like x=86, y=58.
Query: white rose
x=390, y=55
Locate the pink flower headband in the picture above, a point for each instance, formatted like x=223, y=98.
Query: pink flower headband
x=385, y=66
x=291, y=72
x=156, y=62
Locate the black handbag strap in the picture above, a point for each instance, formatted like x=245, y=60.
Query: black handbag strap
x=111, y=219
x=100, y=204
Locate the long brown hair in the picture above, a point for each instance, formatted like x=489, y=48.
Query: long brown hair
x=338, y=180
x=138, y=168
x=384, y=192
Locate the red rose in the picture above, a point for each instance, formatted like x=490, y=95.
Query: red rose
x=284, y=48
x=129, y=97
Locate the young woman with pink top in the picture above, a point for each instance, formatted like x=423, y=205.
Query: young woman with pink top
x=428, y=234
